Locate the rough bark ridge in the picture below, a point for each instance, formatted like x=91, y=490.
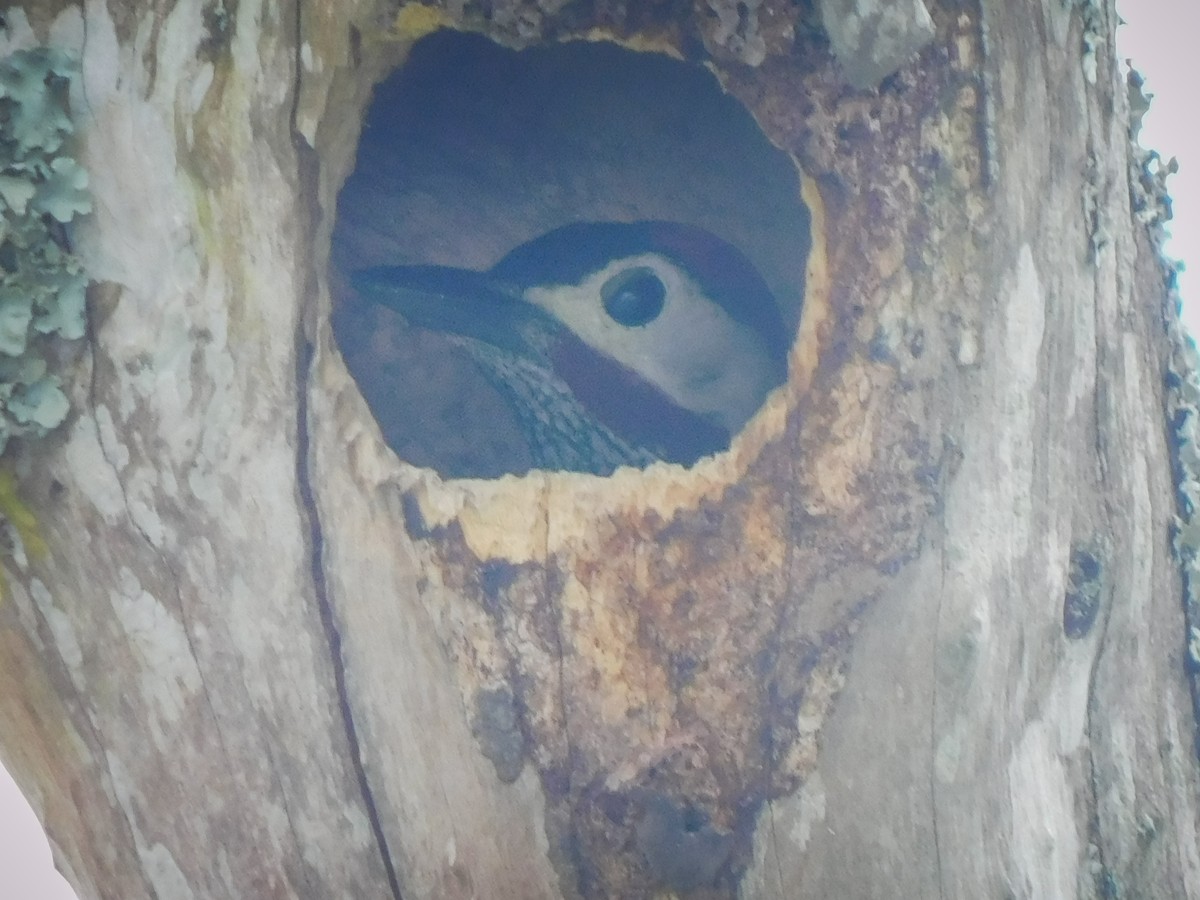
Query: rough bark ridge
x=918, y=633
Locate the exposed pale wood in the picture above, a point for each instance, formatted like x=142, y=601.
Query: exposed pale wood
x=263, y=657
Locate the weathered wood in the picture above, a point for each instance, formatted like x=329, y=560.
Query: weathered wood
x=854, y=656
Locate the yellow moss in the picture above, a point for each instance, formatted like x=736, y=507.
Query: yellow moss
x=13, y=508
x=806, y=352
x=641, y=42
x=415, y=21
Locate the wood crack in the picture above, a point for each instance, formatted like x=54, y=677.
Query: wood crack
x=305, y=353
x=933, y=685
x=325, y=609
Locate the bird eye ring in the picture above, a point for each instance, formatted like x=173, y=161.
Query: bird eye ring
x=634, y=297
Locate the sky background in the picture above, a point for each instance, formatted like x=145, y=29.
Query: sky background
x=1159, y=38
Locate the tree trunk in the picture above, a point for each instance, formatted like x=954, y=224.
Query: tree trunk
x=919, y=632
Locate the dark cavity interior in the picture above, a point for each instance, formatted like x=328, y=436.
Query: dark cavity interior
x=470, y=150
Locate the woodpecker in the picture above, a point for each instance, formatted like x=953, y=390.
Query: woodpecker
x=614, y=343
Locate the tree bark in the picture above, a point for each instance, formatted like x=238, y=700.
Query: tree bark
x=920, y=632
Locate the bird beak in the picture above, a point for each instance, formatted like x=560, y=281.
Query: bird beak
x=455, y=301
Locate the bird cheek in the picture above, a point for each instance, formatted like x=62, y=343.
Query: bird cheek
x=705, y=380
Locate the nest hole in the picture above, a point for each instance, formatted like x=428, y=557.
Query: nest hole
x=470, y=151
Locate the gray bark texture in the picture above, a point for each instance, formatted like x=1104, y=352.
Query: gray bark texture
x=918, y=633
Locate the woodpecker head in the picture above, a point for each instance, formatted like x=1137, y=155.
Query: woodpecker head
x=642, y=341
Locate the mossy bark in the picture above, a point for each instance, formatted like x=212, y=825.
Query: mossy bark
x=919, y=632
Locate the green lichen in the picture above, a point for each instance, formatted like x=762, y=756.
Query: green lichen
x=1150, y=205
x=1183, y=412
x=42, y=190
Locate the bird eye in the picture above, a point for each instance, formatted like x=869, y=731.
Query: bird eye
x=634, y=297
